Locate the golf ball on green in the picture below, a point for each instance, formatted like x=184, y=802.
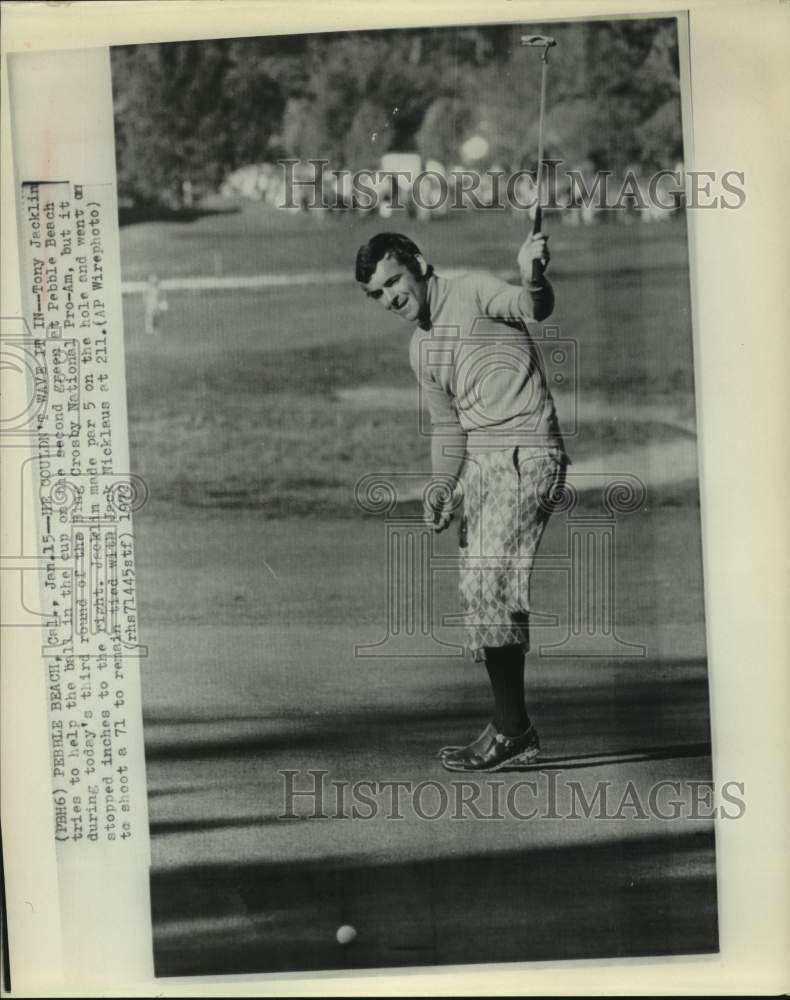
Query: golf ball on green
x=345, y=934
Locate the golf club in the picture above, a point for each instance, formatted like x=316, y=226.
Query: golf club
x=544, y=43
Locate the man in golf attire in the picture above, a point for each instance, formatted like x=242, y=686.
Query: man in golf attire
x=495, y=444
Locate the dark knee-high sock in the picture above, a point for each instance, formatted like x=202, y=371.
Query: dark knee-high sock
x=505, y=666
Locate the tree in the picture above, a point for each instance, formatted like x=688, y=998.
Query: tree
x=189, y=111
x=442, y=131
x=368, y=137
x=661, y=137
x=197, y=110
x=302, y=129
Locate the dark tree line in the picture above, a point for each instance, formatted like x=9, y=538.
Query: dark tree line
x=194, y=111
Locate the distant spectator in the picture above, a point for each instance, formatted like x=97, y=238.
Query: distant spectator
x=154, y=304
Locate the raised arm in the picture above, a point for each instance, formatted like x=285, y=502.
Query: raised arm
x=511, y=303
x=536, y=296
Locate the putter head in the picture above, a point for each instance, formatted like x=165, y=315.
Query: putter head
x=538, y=41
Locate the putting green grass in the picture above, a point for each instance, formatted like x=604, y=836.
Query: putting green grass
x=251, y=626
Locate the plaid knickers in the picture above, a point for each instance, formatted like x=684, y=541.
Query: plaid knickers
x=507, y=496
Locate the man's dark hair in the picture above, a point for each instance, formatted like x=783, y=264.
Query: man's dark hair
x=404, y=250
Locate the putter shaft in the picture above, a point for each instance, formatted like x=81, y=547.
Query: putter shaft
x=543, y=42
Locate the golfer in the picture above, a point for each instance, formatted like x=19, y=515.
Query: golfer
x=495, y=446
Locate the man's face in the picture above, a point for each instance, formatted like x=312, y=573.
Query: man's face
x=395, y=288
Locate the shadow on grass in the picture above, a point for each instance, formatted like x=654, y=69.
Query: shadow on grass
x=160, y=828
x=637, y=755
x=612, y=898
x=130, y=215
x=628, y=718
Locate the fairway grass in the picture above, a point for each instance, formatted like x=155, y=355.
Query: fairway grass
x=301, y=455
x=246, y=398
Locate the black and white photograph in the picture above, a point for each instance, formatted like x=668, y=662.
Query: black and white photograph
x=410, y=379
x=392, y=553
